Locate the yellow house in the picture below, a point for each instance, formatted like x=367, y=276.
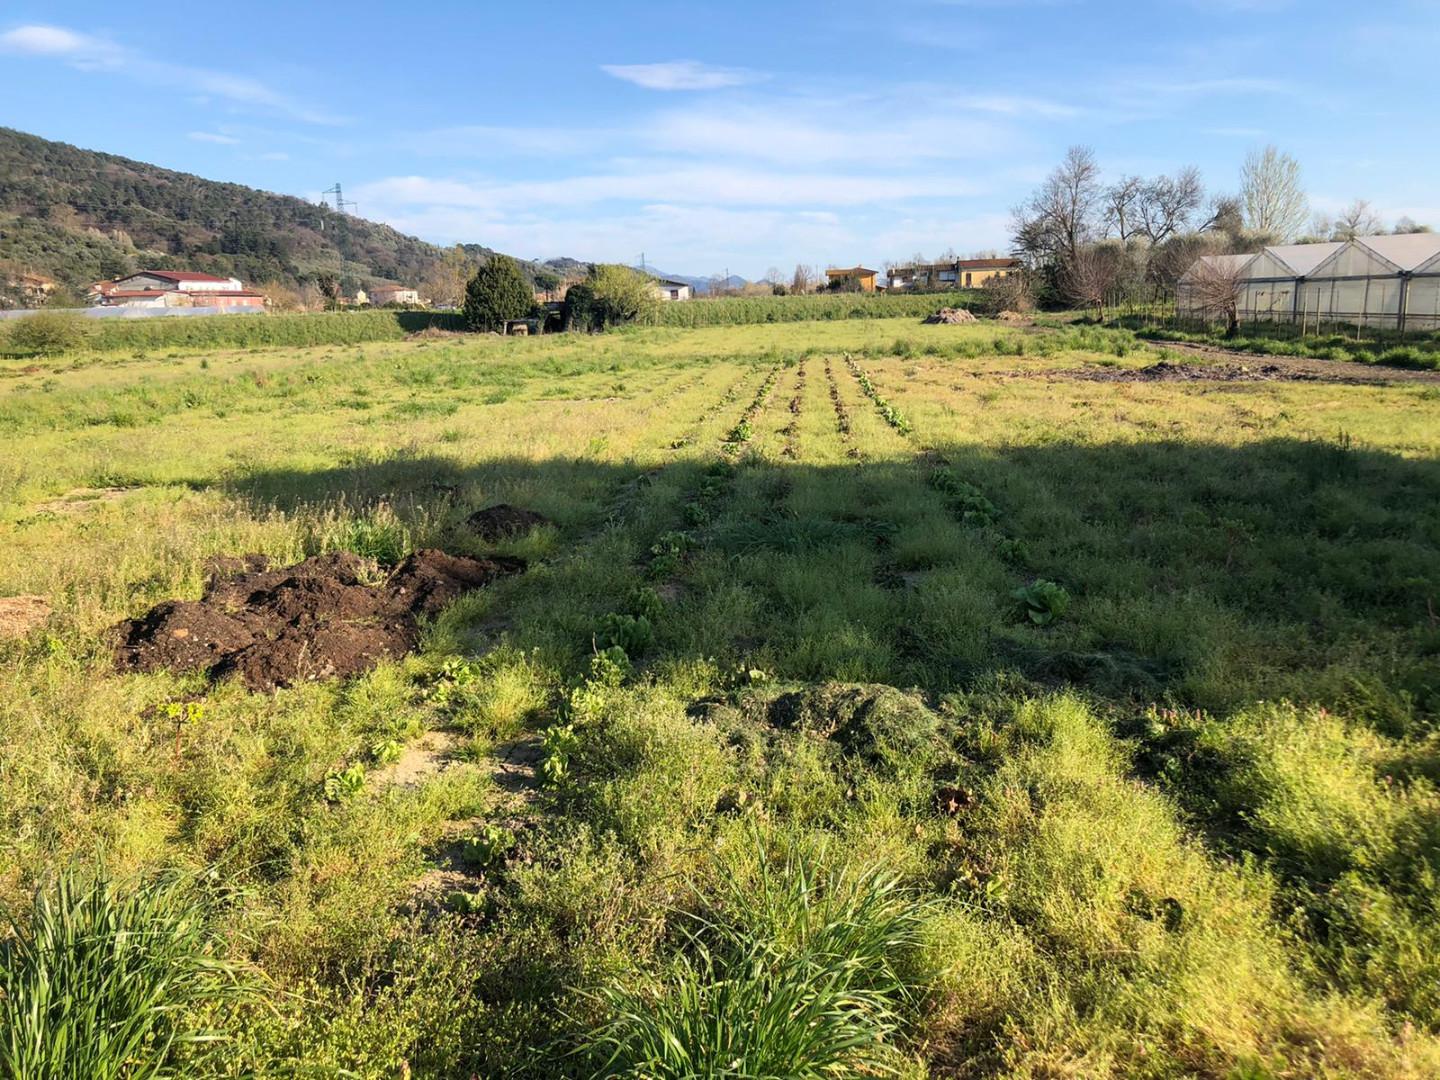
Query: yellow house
x=865, y=277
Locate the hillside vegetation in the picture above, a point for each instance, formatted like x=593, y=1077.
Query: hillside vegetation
x=81, y=216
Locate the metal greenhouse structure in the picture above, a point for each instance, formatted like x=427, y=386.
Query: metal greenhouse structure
x=1379, y=282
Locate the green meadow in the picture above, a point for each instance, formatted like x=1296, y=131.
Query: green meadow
x=880, y=699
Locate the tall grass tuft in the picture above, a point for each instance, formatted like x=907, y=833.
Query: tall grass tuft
x=797, y=970
x=101, y=981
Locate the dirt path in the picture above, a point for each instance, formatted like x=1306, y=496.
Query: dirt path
x=1234, y=366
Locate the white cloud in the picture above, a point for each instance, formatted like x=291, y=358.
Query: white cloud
x=683, y=75
x=213, y=137
x=49, y=41
x=96, y=54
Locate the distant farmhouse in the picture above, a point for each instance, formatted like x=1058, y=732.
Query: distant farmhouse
x=391, y=293
x=953, y=274
x=666, y=289
x=176, y=288
x=865, y=278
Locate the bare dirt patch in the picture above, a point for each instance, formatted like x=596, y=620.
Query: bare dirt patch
x=502, y=520
x=80, y=499
x=21, y=614
x=1266, y=369
x=331, y=616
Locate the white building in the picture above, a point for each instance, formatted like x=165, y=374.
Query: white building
x=667, y=289
x=176, y=288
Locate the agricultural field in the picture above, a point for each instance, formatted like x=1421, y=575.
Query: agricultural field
x=852, y=698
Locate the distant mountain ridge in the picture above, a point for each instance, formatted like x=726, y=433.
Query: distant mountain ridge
x=699, y=284
x=81, y=216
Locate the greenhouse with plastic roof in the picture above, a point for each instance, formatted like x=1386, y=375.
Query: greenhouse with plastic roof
x=1387, y=282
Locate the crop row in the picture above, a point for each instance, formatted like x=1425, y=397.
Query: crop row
x=888, y=412
x=744, y=428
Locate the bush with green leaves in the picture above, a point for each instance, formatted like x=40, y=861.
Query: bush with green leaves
x=611, y=295
x=487, y=847
x=344, y=784
x=496, y=294
x=632, y=633
x=48, y=333
x=104, y=979
x=1042, y=602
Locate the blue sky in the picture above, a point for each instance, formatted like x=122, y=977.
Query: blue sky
x=734, y=135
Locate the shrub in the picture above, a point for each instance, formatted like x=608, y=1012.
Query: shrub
x=610, y=296
x=47, y=333
x=497, y=293
x=102, y=981
x=1042, y=602
x=633, y=633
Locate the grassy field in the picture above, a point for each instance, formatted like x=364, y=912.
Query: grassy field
x=884, y=699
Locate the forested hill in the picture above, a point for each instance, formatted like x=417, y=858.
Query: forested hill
x=81, y=216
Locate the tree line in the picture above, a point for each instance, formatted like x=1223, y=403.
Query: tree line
x=1089, y=243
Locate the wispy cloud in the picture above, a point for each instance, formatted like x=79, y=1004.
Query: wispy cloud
x=89, y=53
x=683, y=75
x=212, y=137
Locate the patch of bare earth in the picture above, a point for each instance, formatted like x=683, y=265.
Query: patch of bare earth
x=513, y=768
x=21, y=614
x=1300, y=368
x=81, y=499
x=331, y=616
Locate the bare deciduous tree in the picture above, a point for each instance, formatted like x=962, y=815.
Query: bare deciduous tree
x=1168, y=204
x=1357, y=219
x=1213, y=287
x=1090, y=276
x=804, y=279
x=1061, y=216
x=1122, y=206
x=1274, y=200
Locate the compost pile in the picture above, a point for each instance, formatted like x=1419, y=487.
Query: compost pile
x=331, y=616
x=950, y=316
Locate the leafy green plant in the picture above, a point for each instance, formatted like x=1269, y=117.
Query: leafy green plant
x=560, y=743
x=632, y=633
x=386, y=751
x=1042, y=602
x=487, y=847
x=344, y=784
x=104, y=980
x=183, y=714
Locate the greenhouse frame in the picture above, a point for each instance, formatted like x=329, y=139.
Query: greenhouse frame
x=1382, y=282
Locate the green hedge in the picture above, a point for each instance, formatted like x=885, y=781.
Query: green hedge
x=244, y=331
x=740, y=310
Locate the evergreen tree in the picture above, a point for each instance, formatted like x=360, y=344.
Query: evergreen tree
x=496, y=293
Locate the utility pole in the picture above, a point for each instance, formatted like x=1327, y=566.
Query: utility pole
x=342, y=205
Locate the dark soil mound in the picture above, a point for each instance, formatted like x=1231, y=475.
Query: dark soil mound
x=330, y=616
x=503, y=520
x=1165, y=371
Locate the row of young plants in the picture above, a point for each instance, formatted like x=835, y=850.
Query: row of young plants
x=888, y=412
x=744, y=428
x=1040, y=601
